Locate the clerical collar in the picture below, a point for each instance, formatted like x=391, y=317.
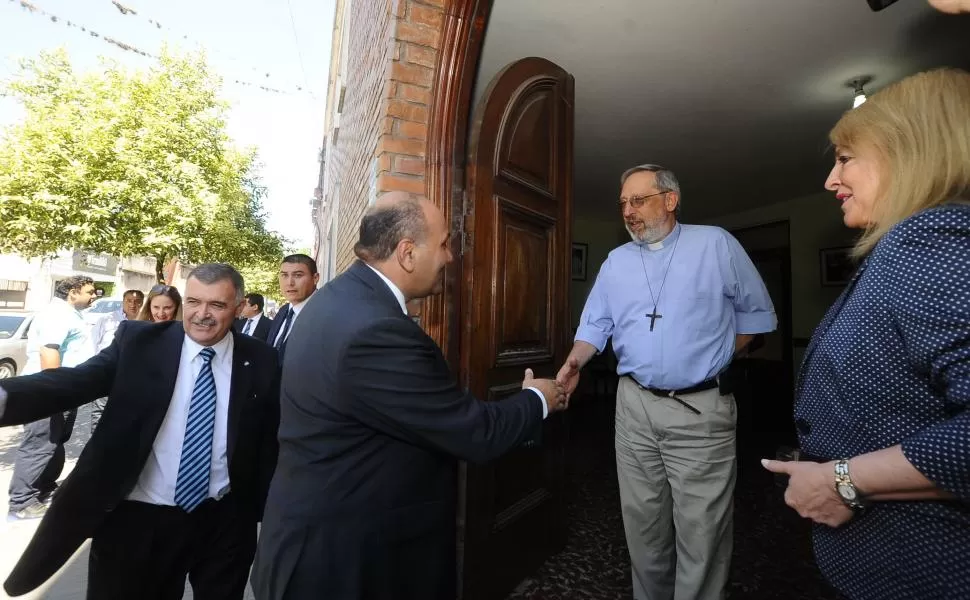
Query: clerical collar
x=670, y=239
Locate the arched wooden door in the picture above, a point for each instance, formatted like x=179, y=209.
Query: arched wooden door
x=515, y=312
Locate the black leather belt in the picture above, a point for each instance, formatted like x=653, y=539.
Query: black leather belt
x=673, y=394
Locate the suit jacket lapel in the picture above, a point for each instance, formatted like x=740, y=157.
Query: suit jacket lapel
x=827, y=321
x=167, y=357
x=239, y=386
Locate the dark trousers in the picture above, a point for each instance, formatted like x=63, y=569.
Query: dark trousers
x=146, y=551
x=40, y=459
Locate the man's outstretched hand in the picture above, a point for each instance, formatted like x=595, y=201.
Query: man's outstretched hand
x=556, y=398
x=568, y=376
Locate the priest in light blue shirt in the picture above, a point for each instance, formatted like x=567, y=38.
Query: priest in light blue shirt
x=680, y=301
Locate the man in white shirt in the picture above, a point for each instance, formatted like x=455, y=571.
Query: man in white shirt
x=298, y=281
x=58, y=337
x=104, y=333
x=251, y=320
x=173, y=482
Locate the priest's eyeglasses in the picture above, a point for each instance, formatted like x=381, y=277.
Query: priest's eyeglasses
x=637, y=201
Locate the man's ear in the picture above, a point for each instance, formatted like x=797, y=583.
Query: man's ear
x=671, y=201
x=405, y=255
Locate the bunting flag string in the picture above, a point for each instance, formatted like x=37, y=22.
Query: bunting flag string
x=37, y=10
x=127, y=10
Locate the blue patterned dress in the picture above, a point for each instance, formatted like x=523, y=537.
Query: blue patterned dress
x=888, y=365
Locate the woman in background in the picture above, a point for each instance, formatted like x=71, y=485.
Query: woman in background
x=164, y=303
x=884, y=390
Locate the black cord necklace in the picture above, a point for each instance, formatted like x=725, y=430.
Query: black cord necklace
x=654, y=315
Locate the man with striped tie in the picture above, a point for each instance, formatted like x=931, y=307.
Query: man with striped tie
x=173, y=481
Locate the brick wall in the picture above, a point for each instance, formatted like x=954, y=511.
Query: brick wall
x=381, y=144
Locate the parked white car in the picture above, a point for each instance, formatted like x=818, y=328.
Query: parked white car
x=100, y=308
x=13, y=341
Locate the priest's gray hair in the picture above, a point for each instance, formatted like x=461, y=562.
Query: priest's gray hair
x=666, y=180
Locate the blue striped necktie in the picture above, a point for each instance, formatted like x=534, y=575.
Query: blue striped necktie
x=192, y=485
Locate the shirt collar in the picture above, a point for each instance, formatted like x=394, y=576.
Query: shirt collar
x=62, y=302
x=667, y=241
x=394, y=289
x=222, y=348
x=296, y=308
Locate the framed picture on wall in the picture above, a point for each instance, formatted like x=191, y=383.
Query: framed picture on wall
x=578, y=269
x=837, y=266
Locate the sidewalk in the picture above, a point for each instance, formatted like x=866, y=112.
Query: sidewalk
x=70, y=583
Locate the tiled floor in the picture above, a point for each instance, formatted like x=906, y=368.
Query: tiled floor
x=772, y=546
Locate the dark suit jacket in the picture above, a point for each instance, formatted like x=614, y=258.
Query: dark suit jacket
x=277, y=322
x=137, y=373
x=363, y=501
x=260, y=331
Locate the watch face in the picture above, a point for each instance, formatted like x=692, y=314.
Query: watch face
x=847, y=492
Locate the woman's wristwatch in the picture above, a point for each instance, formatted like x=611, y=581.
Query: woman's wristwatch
x=846, y=489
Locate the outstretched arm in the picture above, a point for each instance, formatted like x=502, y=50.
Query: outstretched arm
x=397, y=382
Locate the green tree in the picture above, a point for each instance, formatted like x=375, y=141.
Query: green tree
x=129, y=163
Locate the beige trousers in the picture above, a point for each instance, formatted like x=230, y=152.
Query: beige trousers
x=677, y=471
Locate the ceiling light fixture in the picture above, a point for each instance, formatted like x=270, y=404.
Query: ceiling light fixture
x=858, y=86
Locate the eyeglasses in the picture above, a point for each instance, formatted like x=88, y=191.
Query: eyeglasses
x=637, y=201
x=160, y=288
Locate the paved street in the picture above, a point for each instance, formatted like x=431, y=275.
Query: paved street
x=70, y=582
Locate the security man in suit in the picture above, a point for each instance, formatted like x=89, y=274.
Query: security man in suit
x=363, y=503
x=251, y=320
x=173, y=481
x=298, y=281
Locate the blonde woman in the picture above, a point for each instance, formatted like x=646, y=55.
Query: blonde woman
x=164, y=303
x=884, y=390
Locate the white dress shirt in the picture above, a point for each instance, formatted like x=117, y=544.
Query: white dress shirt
x=104, y=329
x=252, y=322
x=156, y=484
x=400, y=300
x=296, y=308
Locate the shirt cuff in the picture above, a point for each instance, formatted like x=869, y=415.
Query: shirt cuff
x=752, y=323
x=3, y=401
x=542, y=398
x=592, y=336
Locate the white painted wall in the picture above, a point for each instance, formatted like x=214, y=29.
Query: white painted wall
x=602, y=236
x=815, y=223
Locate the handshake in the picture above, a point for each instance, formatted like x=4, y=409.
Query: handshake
x=556, y=391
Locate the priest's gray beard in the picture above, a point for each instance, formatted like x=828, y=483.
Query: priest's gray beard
x=652, y=232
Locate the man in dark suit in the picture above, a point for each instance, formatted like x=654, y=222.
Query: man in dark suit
x=252, y=321
x=174, y=479
x=298, y=281
x=363, y=503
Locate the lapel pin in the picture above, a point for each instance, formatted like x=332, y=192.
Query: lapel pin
x=245, y=363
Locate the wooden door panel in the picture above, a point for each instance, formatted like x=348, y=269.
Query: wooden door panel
x=523, y=284
x=516, y=276
x=526, y=150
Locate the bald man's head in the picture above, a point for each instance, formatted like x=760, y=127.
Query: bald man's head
x=405, y=236
x=394, y=217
